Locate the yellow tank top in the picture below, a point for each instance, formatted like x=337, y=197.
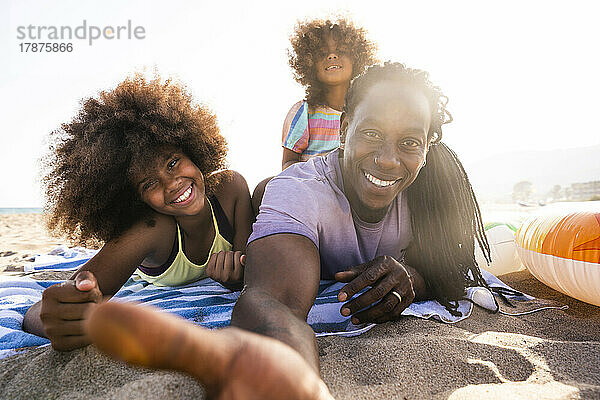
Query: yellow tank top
x=182, y=271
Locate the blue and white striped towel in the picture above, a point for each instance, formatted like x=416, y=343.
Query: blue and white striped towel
x=205, y=302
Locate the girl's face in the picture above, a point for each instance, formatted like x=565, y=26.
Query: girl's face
x=172, y=184
x=334, y=66
x=385, y=144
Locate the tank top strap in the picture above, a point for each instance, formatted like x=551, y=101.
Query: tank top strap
x=222, y=222
x=175, y=250
x=181, y=270
x=178, y=237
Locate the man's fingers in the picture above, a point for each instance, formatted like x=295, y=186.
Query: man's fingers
x=371, y=296
x=380, y=320
x=243, y=260
x=370, y=273
x=387, y=309
x=352, y=272
x=346, y=276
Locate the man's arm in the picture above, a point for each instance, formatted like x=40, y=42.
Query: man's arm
x=281, y=283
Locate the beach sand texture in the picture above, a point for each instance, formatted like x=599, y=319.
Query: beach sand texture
x=547, y=355
x=22, y=236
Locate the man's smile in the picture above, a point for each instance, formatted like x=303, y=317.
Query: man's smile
x=378, y=181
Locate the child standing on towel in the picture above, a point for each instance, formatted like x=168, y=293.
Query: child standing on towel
x=325, y=57
x=139, y=168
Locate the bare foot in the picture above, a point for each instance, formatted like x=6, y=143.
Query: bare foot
x=231, y=363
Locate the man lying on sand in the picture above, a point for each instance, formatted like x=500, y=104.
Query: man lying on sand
x=391, y=212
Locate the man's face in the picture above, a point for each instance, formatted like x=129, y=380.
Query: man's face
x=385, y=146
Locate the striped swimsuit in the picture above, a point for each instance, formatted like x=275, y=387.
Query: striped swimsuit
x=311, y=131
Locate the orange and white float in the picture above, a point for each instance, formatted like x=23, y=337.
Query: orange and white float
x=561, y=247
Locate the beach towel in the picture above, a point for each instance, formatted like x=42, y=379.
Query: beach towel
x=209, y=304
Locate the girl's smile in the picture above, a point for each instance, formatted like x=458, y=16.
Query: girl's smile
x=175, y=186
x=186, y=197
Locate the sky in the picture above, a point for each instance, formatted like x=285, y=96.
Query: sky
x=520, y=75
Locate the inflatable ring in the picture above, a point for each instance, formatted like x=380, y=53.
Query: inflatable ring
x=501, y=238
x=562, y=250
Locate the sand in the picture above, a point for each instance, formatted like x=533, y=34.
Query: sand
x=22, y=236
x=547, y=355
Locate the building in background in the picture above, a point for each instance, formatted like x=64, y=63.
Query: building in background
x=583, y=191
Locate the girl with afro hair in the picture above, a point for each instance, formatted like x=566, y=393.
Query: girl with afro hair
x=140, y=168
x=325, y=56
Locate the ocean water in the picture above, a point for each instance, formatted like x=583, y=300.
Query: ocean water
x=20, y=210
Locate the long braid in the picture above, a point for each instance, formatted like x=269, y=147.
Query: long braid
x=446, y=220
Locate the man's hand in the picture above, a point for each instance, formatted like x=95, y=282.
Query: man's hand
x=231, y=363
x=65, y=307
x=384, y=275
x=226, y=266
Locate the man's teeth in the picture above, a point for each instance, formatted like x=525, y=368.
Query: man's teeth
x=332, y=67
x=378, y=182
x=184, y=196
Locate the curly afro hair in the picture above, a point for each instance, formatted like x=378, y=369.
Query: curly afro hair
x=307, y=42
x=89, y=195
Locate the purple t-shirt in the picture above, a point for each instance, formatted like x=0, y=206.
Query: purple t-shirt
x=308, y=199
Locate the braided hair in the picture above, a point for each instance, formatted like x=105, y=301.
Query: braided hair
x=445, y=217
